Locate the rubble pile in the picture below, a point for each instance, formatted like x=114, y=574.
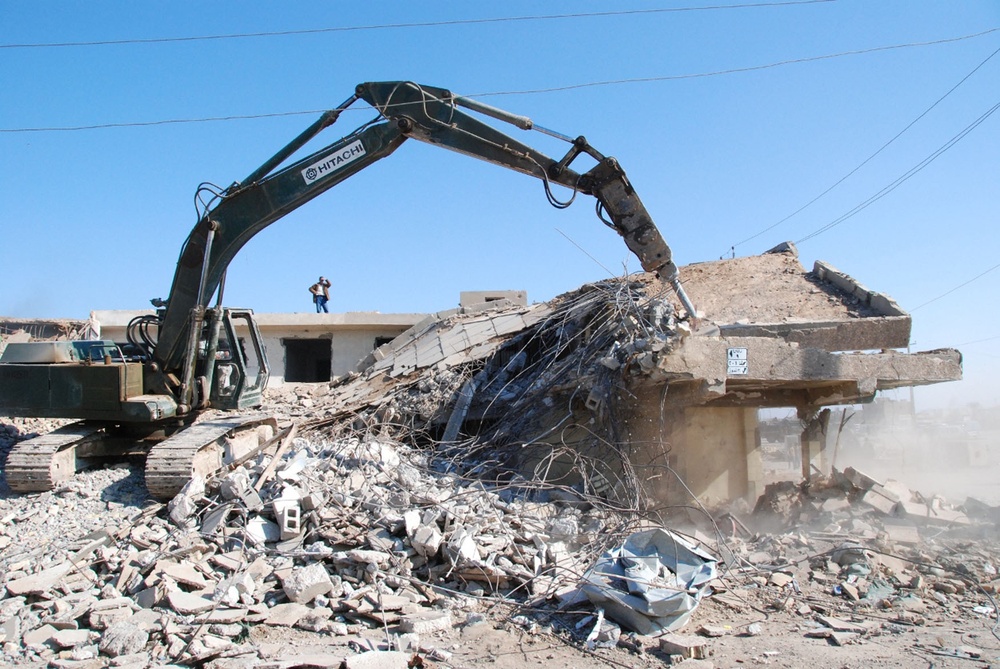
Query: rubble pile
x=475, y=475
x=536, y=392
x=382, y=550
x=852, y=560
x=370, y=543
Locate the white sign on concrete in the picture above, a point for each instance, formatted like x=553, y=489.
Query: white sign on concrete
x=737, y=363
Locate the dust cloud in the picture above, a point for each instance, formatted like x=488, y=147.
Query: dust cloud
x=954, y=453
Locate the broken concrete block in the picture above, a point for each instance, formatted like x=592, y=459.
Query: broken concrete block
x=313, y=501
x=123, y=638
x=859, y=479
x=71, y=638
x=931, y=516
x=187, y=603
x=411, y=521
x=286, y=615
x=290, y=521
x=183, y=572
x=378, y=659
x=426, y=540
x=185, y=503
x=425, y=622
x=880, y=502
x=38, y=583
x=901, y=531
x=688, y=647
x=235, y=484
x=780, y=579
x=39, y=636
x=147, y=598
x=461, y=547
x=107, y=612
x=303, y=584
x=843, y=638
x=244, y=584
x=841, y=625
x=713, y=631
x=315, y=620
x=261, y=530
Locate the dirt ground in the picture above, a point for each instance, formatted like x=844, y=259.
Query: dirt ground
x=781, y=642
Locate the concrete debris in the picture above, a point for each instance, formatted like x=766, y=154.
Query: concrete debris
x=475, y=466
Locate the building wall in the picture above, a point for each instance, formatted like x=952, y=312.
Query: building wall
x=352, y=336
x=348, y=347
x=715, y=451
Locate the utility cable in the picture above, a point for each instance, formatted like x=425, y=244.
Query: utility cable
x=737, y=70
x=535, y=91
x=869, y=158
x=904, y=177
x=961, y=285
x=394, y=26
x=979, y=341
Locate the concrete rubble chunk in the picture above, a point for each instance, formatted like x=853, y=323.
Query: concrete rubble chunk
x=286, y=615
x=188, y=603
x=304, y=584
x=315, y=620
x=39, y=635
x=261, y=530
x=426, y=540
x=123, y=638
x=378, y=659
x=461, y=547
x=39, y=583
x=425, y=622
x=71, y=638
x=183, y=572
x=687, y=647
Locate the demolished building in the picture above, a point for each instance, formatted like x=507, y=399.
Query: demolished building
x=510, y=450
x=603, y=388
x=604, y=391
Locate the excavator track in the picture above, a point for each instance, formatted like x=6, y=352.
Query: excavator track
x=43, y=462
x=202, y=449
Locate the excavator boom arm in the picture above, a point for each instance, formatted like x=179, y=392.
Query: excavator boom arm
x=407, y=110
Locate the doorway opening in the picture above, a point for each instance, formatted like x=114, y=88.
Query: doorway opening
x=307, y=360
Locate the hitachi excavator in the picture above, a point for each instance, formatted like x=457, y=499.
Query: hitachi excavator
x=146, y=397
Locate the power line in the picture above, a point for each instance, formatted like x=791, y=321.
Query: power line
x=978, y=341
x=141, y=124
x=904, y=177
x=535, y=91
x=739, y=70
x=961, y=285
x=427, y=24
x=869, y=158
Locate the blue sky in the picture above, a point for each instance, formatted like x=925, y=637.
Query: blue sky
x=788, y=99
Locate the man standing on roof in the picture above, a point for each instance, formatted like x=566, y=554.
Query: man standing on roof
x=321, y=294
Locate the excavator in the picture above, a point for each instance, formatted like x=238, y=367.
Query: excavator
x=150, y=396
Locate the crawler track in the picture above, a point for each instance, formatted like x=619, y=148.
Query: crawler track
x=202, y=448
x=42, y=463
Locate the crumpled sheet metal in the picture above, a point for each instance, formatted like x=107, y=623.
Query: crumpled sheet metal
x=651, y=583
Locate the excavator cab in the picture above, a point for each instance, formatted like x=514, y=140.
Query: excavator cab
x=239, y=371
